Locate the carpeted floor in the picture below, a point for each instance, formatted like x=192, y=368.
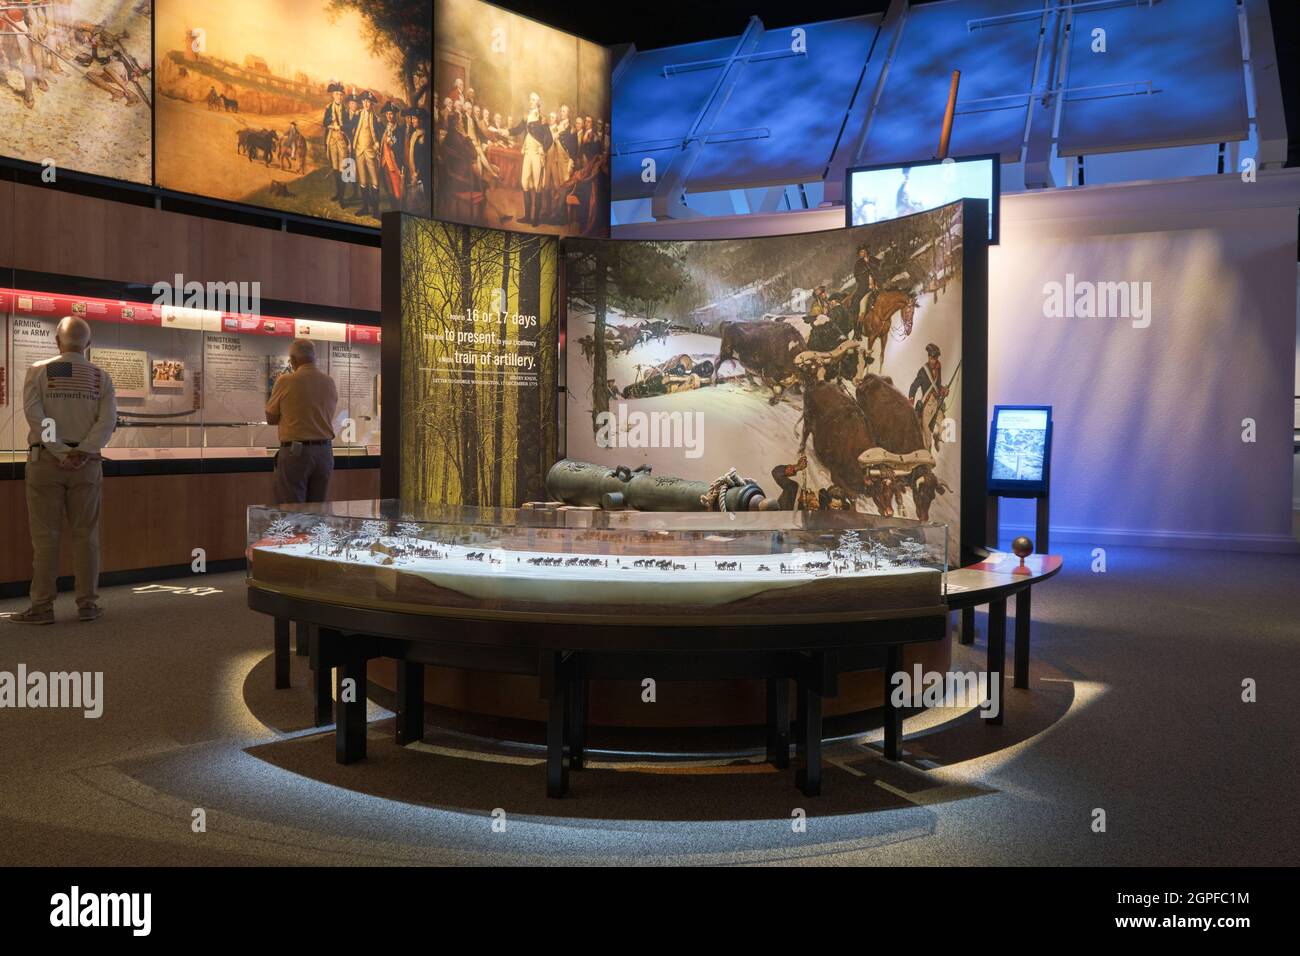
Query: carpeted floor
x=1135, y=708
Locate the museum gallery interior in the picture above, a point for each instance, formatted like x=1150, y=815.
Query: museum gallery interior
x=423, y=416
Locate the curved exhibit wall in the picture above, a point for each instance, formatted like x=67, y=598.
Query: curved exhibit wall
x=826, y=366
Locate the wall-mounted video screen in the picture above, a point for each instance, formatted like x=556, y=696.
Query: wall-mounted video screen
x=1020, y=450
x=523, y=134
x=313, y=107
x=76, y=86
x=876, y=193
x=190, y=383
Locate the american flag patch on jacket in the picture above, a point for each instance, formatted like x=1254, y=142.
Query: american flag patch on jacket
x=74, y=378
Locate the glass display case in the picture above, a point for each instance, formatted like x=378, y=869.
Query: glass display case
x=755, y=567
x=190, y=383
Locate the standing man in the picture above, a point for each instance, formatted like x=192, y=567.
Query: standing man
x=537, y=141
x=417, y=163
x=931, y=396
x=71, y=411
x=22, y=54
x=367, y=141
x=336, y=138
x=302, y=405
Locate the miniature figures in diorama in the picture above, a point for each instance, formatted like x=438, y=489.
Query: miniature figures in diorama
x=385, y=543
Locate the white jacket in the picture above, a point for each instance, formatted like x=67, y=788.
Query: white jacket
x=77, y=396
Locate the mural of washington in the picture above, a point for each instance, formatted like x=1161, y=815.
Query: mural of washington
x=522, y=133
x=825, y=366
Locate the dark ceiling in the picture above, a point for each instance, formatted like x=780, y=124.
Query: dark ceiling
x=669, y=22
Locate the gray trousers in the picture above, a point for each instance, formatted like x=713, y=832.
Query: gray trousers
x=304, y=476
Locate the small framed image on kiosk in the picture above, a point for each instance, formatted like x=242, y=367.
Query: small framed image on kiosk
x=1020, y=451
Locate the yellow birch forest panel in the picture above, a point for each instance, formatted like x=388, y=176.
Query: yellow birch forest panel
x=479, y=364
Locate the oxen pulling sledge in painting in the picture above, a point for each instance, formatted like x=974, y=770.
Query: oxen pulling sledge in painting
x=872, y=445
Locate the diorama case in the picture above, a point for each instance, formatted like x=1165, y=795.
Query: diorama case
x=591, y=565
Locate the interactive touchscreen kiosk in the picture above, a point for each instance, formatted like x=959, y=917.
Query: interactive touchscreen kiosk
x=1020, y=450
x=1020, y=463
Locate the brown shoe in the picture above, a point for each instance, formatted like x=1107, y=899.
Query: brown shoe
x=33, y=616
x=89, y=613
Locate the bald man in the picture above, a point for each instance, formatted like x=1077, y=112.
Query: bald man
x=71, y=412
x=302, y=405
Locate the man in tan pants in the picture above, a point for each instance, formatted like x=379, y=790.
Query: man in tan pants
x=71, y=411
x=302, y=407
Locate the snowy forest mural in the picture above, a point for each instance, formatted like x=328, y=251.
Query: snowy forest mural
x=825, y=366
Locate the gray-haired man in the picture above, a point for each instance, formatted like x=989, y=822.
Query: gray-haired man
x=302, y=404
x=71, y=411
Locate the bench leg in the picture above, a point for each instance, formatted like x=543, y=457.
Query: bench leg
x=968, y=625
x=577, y=722
x=778, y=722
x=893, y=714
x=809, y=776
x=350, y=715
x=556, y=684
x=410, y=702
x=301, y=647
x=281, y=653
x=1022, y=639
x=997, y=653
x=322, y=678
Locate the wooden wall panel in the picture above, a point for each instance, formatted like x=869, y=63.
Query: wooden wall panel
x=365, y=277
x=8, y=222
x=12, y=551
x=157, y=520
x=46, y=230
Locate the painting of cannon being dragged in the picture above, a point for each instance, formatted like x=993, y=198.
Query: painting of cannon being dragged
x=825, y=366
x=313, y=107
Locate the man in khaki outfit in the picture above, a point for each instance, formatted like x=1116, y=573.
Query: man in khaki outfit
x=71, y=411
x=366, y=142
x=302, y=404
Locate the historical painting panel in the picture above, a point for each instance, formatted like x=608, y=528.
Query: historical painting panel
x=522, y=123
x=312, y=107
x=824, y=366
x=76, y=85
x=479, y=356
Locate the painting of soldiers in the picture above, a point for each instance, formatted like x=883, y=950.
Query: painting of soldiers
x=76, y=85
x=541, y=165
x=760, y=336
x=294, y=105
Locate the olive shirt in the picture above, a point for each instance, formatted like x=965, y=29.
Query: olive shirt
x=302, y=404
